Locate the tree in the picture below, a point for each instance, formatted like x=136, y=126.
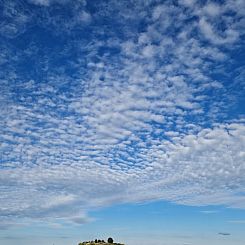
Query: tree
x=110, y=240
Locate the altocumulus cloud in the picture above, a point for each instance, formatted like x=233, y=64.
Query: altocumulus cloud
x=116, y=102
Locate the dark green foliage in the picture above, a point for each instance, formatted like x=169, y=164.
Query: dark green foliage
x=110, y=240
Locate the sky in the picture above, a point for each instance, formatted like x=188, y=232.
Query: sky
x=124, y=119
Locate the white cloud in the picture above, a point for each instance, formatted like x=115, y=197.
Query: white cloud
x=84, y=17
x=184, y=171
x=229, y=35
x=188, y=2
x=209, y=211
x=47, y=3
x=138, y=125
x=212, y=9
x=41, y=2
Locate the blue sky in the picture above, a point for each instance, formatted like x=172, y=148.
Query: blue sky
x=122, y=119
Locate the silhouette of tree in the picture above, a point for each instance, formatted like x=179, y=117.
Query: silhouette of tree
x=110, y=240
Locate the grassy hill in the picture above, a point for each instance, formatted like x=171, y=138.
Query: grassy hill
x=99, y=243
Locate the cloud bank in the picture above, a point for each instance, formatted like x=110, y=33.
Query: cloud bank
x=107, y=103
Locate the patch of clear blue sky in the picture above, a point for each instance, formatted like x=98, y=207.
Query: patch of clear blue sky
x=161, y=222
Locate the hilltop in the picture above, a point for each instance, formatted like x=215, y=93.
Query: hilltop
x=100, y=242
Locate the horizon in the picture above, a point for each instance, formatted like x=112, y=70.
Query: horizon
x=122, y=119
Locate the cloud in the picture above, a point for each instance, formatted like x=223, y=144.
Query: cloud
x=209, y=211
x=41, y=2
x=47, y=3
x=14, y=19
x=224, y=233
x=84, y=17
x=129, y=110
x=18, y=18
x=82, y=220
x=229, y=36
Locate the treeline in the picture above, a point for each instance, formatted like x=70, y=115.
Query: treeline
x=98, y=241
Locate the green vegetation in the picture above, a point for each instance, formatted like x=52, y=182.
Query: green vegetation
x=110, y=240
x=102, y=242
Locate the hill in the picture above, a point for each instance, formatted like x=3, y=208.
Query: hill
x=99, y=243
